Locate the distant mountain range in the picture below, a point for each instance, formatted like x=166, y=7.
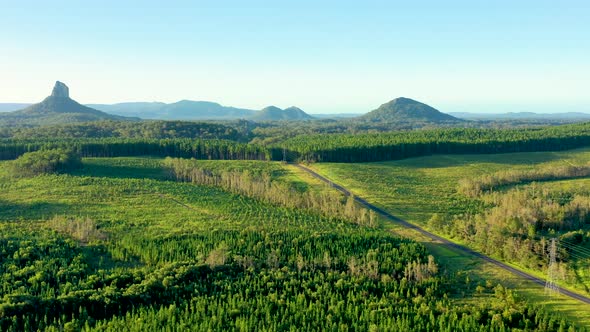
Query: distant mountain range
x=181, y=110
x=201, y=110
x=58, y=108
x=11, y=107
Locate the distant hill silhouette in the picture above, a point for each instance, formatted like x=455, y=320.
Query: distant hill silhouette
x=273, y=113
x=407, y=110
x=10, y=107
x=58, y=108
x=573, y=116
x=181, y=110
x=200, y=110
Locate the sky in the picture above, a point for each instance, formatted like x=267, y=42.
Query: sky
x=322, y=56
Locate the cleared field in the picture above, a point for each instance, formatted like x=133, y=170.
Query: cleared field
x=416, y=188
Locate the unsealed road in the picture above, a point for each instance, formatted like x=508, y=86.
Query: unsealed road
x=437, y=238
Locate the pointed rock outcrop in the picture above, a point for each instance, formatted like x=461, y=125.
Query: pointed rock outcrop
x=60, y=90
x=56, y=109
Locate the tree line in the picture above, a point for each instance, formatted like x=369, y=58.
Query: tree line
x=148, y=129
x=400, y=145
x=324, y=147
x=474, y=187
x=116, y=147
x=263, y=186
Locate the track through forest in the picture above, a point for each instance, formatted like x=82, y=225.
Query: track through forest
x=439, y=239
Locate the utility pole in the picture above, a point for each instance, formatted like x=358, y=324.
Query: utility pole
x=552, y=272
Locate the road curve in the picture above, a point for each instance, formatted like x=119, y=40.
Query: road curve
x=437, y=238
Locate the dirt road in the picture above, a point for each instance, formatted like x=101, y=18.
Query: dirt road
x=439, y=239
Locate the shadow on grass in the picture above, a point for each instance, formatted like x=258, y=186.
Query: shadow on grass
x=101, y=169
x=98, y=257
x=512, y=158
x=11, y=211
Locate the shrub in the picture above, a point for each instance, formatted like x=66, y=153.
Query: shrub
x=44, y=162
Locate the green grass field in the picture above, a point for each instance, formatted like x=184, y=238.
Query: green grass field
x=416, y=188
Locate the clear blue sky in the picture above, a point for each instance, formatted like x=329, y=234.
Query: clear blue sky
x=323, y=56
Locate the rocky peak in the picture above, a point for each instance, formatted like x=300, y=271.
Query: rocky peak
x=60, y=90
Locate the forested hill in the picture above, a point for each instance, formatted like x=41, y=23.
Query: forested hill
x=407, y=110
x=57, y=108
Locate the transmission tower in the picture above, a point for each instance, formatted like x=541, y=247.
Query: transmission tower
x=552, y=271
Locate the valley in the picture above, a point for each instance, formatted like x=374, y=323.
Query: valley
x=401, y=219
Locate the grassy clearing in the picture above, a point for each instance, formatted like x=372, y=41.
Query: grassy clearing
x=416, y=188
x=122, y=192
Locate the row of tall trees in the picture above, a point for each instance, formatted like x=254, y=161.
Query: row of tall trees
x=474, y=187
x=115, y=147
x=263, y=186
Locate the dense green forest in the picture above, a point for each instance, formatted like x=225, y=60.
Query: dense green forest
x=315, y=148
x=117, y=147
x=131, y=129
x=400, y=145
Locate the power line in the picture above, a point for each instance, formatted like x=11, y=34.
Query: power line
x=574, y=252
x=551, y=287
x=575, y=247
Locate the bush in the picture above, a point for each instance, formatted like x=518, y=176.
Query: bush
x=44, y=162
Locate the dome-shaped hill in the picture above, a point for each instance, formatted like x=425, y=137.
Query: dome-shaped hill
x=407, y=110
x=273, y=113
